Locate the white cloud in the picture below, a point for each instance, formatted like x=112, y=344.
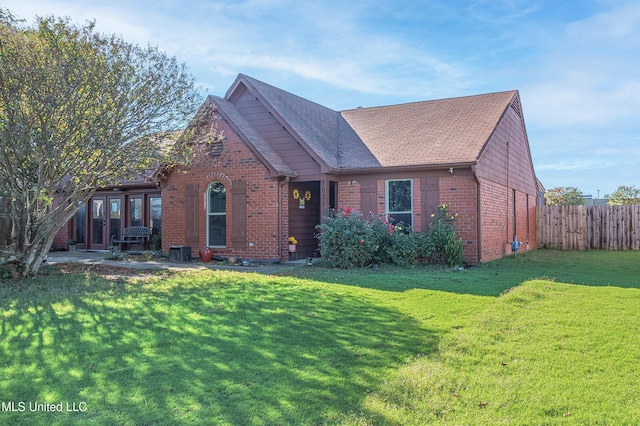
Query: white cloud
x=575, y=165
x=501, y=12
x=588, y=77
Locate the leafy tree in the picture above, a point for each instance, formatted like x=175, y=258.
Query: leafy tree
x=564, y=196
x=78, y=110
x=625, y=195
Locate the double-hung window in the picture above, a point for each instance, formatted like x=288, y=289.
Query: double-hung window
x=399, y=201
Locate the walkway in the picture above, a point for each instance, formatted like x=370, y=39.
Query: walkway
x=97, y=257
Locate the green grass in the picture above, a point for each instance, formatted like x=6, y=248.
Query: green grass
x=543, y=338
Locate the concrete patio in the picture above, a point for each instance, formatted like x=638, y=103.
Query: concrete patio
x=98, y=257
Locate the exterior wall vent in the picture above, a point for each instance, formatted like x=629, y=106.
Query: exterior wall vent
x=515, y=105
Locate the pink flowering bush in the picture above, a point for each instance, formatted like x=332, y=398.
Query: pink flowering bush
x=346, y=239
x=349, y=239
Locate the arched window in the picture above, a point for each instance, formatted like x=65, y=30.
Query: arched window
x=216, y=215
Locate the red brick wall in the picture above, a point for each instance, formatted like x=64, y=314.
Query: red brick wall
x=533, y=242
x=496, y=219
x=460, y=193
x=349, y=194
x=457, y=191
x=61, y=240
x=504, y=166
x=506, y=158
x=237, y=162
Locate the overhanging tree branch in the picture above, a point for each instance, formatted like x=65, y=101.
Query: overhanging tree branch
x=78, y=110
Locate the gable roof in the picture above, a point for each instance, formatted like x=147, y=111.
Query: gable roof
x=322, y=131
x=446, y=131
x=430, y=133
x=251, y=137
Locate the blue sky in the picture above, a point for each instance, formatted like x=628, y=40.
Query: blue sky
x=575, y=63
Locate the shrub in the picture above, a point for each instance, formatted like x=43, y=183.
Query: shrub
x=348, y=239
x=443, y=246
x=156, y=242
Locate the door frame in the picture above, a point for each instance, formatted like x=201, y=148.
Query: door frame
x=92, y=225
x=106, y=221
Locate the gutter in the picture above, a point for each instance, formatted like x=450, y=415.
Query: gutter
x=474, y=171
x=411, y=167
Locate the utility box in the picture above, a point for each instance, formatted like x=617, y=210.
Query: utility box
x=179, y=254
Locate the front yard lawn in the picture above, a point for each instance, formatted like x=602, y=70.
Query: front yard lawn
x=544, y=338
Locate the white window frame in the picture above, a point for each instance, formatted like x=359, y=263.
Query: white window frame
x=386, y=195
x=210, y=213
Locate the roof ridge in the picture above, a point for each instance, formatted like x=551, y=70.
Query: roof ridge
x=430, y=100
x=253, y=79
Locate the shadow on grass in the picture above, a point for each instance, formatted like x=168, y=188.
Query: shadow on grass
x=213, y=348
x=594, y=268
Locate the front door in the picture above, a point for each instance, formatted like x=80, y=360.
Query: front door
x=304, y=215
x=106, y=220
x=98, y=222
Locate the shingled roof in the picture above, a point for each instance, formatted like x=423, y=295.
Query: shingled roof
x=323, y=131
x=251, y=137
x=430, y=133
x=447, y=131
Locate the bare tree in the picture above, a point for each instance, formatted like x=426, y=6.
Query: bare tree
x=78, y=110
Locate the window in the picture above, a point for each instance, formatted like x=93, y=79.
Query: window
x=135, y=212
x=400, y=201
x=81, y=225
x=155, y=215
x=216, y=215
x=115, y=217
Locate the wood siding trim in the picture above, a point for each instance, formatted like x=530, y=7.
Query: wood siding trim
x=283, y=141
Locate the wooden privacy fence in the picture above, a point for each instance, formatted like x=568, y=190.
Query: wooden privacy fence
x=588, y=227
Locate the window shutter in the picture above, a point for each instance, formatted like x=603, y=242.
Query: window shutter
x=192, y=210
x=239, y=214
x=368, y=196
x=430, y=192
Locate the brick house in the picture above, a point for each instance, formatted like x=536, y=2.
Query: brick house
x=284, y=160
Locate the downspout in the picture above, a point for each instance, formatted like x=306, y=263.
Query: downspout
x=508, y=191
x=474, y=170
x=280, y=210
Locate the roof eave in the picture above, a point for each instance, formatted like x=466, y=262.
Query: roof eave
x=411, y=167
x=273, y=171
x=281, y=120
x=495, y=126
